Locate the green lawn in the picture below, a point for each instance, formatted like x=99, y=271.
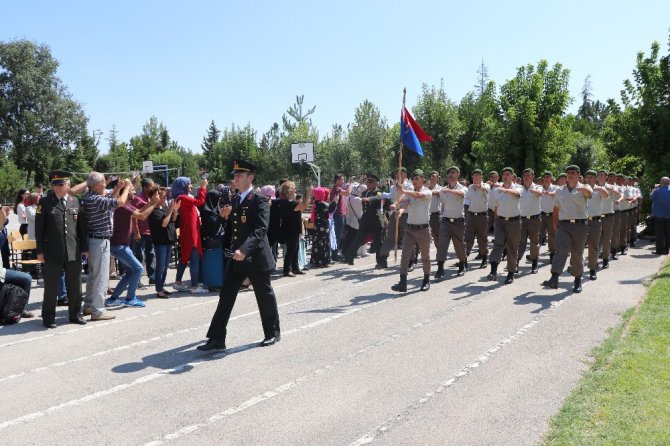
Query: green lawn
x=624, y=399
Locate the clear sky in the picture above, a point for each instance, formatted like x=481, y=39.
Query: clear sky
x=188, y=62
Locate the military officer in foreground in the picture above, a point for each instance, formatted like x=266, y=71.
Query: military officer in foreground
x=570, y=218
x=247, y=240
x=60, y=235
x=370, y=222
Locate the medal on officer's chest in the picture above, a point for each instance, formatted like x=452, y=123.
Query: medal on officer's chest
x=243, y=218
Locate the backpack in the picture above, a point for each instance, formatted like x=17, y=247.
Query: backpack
x=13, y=301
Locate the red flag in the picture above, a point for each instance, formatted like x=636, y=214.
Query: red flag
x=420, y=134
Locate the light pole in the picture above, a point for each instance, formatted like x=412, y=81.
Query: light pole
x=96, y=133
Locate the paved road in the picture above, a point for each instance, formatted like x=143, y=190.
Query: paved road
x=468, y=363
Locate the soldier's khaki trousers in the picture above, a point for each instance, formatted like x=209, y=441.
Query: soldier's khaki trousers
x=570, y=241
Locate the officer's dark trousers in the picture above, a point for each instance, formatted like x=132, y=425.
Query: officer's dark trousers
x=265, y=298
x=73, y=285
x=366, y=228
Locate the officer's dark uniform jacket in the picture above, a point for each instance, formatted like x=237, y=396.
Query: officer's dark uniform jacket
x=246, y=230
x=372, y=209
x=60, y=232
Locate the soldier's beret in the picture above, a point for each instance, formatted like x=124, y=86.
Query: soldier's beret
x=573, y=167
x=479, y=171
x=591, y=172
x=507, y=169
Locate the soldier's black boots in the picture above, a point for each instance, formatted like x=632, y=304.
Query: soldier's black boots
x=533, y=268
x=440, y=269
x=578, y=285
x=551, y=283
x=382, y=263
x=592, y=274
x=606, y=263
x=614, y=257
x=402, y=285
x=551, y=257
x=425, y=285
x=510, y=278
x=461, y=268
x=494, y=271
x=484, y=261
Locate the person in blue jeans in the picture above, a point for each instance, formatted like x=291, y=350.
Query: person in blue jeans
x=163, y=236
x=120, y=249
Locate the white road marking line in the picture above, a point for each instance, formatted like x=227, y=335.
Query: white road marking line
x=175, y=370
x=156, y=313
x=453, y=379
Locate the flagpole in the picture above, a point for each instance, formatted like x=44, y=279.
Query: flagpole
x=402, y=116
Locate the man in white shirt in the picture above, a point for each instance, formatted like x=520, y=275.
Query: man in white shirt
x=530, y=211
x=434, y=187
x=594, y=207
x=547, y=203
x=394, y=196
x=452, y=225
x=416, y=205
x=478, y=195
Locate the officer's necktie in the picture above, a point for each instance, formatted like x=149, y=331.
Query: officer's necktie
x=62, y=202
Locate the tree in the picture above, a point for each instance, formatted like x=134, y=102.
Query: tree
x=38, y=116
x=367, y=135
x=209, y=142
x=153, y=139
x=532, y=105
x=11, y=179
x=299, y=116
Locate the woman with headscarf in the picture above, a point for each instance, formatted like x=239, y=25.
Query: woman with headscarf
x=291, y=226
x=274, y=226
x=212, y=239
x=189, y=231
x=320, y=217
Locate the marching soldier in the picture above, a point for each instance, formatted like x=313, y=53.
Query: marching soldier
x=594, y=207
x=494, y=177
x=370, y=222
x=624, y=207
x=570, y=216
x=394, y=196
x=507, y=228
x=452, y=226
x=478, y=194
x=547, y=203
x=635, y=203
x=434, y=186
x=417, y=232
x=60, y=234
x=616, y=221
x=246, y=228
x=530, y=211
x=607, y=219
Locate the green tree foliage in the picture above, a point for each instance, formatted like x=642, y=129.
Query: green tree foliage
x=153, y=139
x=367, y=136
x=38, y=116
x=11, y=180
x=532, y=105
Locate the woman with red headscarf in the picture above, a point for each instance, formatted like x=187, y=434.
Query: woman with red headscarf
x=321, y=211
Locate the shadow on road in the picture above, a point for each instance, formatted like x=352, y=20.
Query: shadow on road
x=543, y=300
x=176, y=357
x=362, y=300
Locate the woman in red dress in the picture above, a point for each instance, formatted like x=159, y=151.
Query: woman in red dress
x=189, y=232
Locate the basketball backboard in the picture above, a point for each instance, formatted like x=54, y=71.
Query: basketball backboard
x=302, y=152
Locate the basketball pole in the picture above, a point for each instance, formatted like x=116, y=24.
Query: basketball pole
x=402, y=117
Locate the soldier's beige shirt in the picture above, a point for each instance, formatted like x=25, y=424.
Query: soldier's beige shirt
x=506, y=205
x=452, y=205
x=608, y=203
x=529, y=203
x=435, y=200
x=479, y=198
x=547, y=202
x=594, y=205
x=572, y=204
x=418, y=209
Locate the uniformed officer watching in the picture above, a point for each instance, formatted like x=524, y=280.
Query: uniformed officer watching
x=60, y=233
x=247, y=238
x=570, y=217
x=370, y=222
x=417, y=231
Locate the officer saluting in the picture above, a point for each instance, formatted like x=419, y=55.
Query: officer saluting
x=60, y=234
x=246, y=237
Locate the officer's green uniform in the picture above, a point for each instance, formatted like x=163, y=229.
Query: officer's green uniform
x=61, y=238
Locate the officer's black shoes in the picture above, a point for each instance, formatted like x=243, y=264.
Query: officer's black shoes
x=461, y=268
x=348, y=261
x=551, y=283
x=268, y=341
x=440, y=269
x=592, y=274
x=510, y=278
x=401, y=286
x=623, y=251
x=62, y=302
x=614, y=257
x=49, y=324
x=494, y=271
x=78, y=320
x=578, y=285
x=484, y=261
x=381, y=263
x=212, y=345
x=533, y=268
x=606, y=263
x=425, y=285
x=301, y=272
